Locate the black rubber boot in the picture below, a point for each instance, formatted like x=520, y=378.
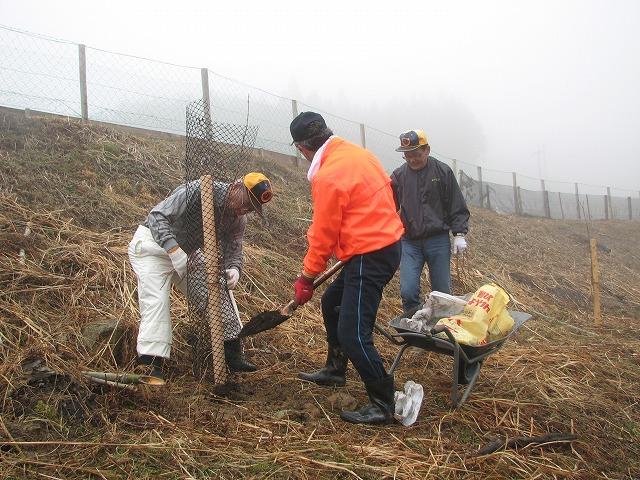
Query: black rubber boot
x=234, y=357
x=382, y=406
x=154, y=364
x=333, y=374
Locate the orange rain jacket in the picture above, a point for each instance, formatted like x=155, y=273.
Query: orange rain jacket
x=353, y=207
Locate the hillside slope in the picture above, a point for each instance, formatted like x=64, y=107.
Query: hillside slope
x=82, y=190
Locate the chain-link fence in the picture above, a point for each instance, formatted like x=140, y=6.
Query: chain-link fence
x=64, y=78
x=39, y=73
x=215, y=158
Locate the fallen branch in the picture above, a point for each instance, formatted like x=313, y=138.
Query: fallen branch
x=519, y=442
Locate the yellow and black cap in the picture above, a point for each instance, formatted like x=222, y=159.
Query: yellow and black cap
x=259, y=189
x=411, y=140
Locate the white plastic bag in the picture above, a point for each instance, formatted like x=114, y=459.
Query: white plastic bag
x=412, y=324
x=408, y=403
x=445, y=305
x=437, y=305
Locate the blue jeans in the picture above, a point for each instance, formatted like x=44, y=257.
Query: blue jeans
x=436, y=252
x=357, y=290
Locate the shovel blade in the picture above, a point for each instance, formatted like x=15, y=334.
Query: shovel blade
x=263, y=321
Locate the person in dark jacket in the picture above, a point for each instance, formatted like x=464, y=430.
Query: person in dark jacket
x=431, y=205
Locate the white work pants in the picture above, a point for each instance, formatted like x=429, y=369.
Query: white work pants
x=156, y=275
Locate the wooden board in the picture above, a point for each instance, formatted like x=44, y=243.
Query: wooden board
x=595, y=283
x=214, y=310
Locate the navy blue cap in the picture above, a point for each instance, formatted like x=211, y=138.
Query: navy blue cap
x=306, y=125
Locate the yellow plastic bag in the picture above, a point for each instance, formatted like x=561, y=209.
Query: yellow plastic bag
x=484, y=318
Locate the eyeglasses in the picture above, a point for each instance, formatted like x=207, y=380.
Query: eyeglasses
x=417, y=153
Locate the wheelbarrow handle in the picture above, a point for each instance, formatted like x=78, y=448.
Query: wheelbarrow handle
x=290, y=307
x=438, y=329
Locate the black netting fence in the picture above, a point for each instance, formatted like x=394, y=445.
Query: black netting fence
x=215, y=160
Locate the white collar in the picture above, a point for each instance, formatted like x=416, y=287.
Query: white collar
x=317, y=158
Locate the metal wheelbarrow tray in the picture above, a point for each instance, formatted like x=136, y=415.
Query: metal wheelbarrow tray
x=467, y=359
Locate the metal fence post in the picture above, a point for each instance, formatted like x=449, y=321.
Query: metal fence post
x=560, y=202
x=578, y=202
x=610, y=202
x=204, y=77
x=363, y=138
x=545, y=200
x=606, y=207
x=516, y=206
x=480, y=181
x=520, y=208
x=82, y=65
x=294, y=113
x=629, y=205
x=547, y=204
x=488, y=197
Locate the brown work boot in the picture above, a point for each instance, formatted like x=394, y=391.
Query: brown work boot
x=334, y=372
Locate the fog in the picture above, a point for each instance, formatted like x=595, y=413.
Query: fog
x=542, y=88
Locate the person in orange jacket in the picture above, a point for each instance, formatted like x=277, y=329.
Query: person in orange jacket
x=355, y=219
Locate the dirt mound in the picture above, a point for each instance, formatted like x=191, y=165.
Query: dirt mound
x=81, y=189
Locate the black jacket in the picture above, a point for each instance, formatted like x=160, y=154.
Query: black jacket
x=429, y=200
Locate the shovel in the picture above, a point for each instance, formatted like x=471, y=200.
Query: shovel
x=267, y=320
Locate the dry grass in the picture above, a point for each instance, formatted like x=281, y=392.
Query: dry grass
x=560, y=375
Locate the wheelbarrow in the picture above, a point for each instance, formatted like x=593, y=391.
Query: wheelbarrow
x=467, y=359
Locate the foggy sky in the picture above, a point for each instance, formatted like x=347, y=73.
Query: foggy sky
x=539, y=87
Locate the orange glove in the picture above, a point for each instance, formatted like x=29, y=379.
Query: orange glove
x=304, y=289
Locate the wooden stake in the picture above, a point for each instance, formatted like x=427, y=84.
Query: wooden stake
x=481, y=189
x=27, y=231
x=214, y=313
x=595, y=283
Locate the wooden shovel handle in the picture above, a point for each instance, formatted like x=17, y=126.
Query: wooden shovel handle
x=320, y=279
x=289, y=308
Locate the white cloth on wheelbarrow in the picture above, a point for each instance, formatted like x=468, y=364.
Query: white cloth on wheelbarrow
x=436, y=306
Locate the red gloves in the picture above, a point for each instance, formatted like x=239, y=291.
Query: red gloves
x=304, y=289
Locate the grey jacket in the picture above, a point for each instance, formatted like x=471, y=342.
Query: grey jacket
x=177, y=220
x=429, y=200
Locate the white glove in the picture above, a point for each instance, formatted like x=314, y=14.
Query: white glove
x=233, y=275
x=459, y=244
x=179, y=261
